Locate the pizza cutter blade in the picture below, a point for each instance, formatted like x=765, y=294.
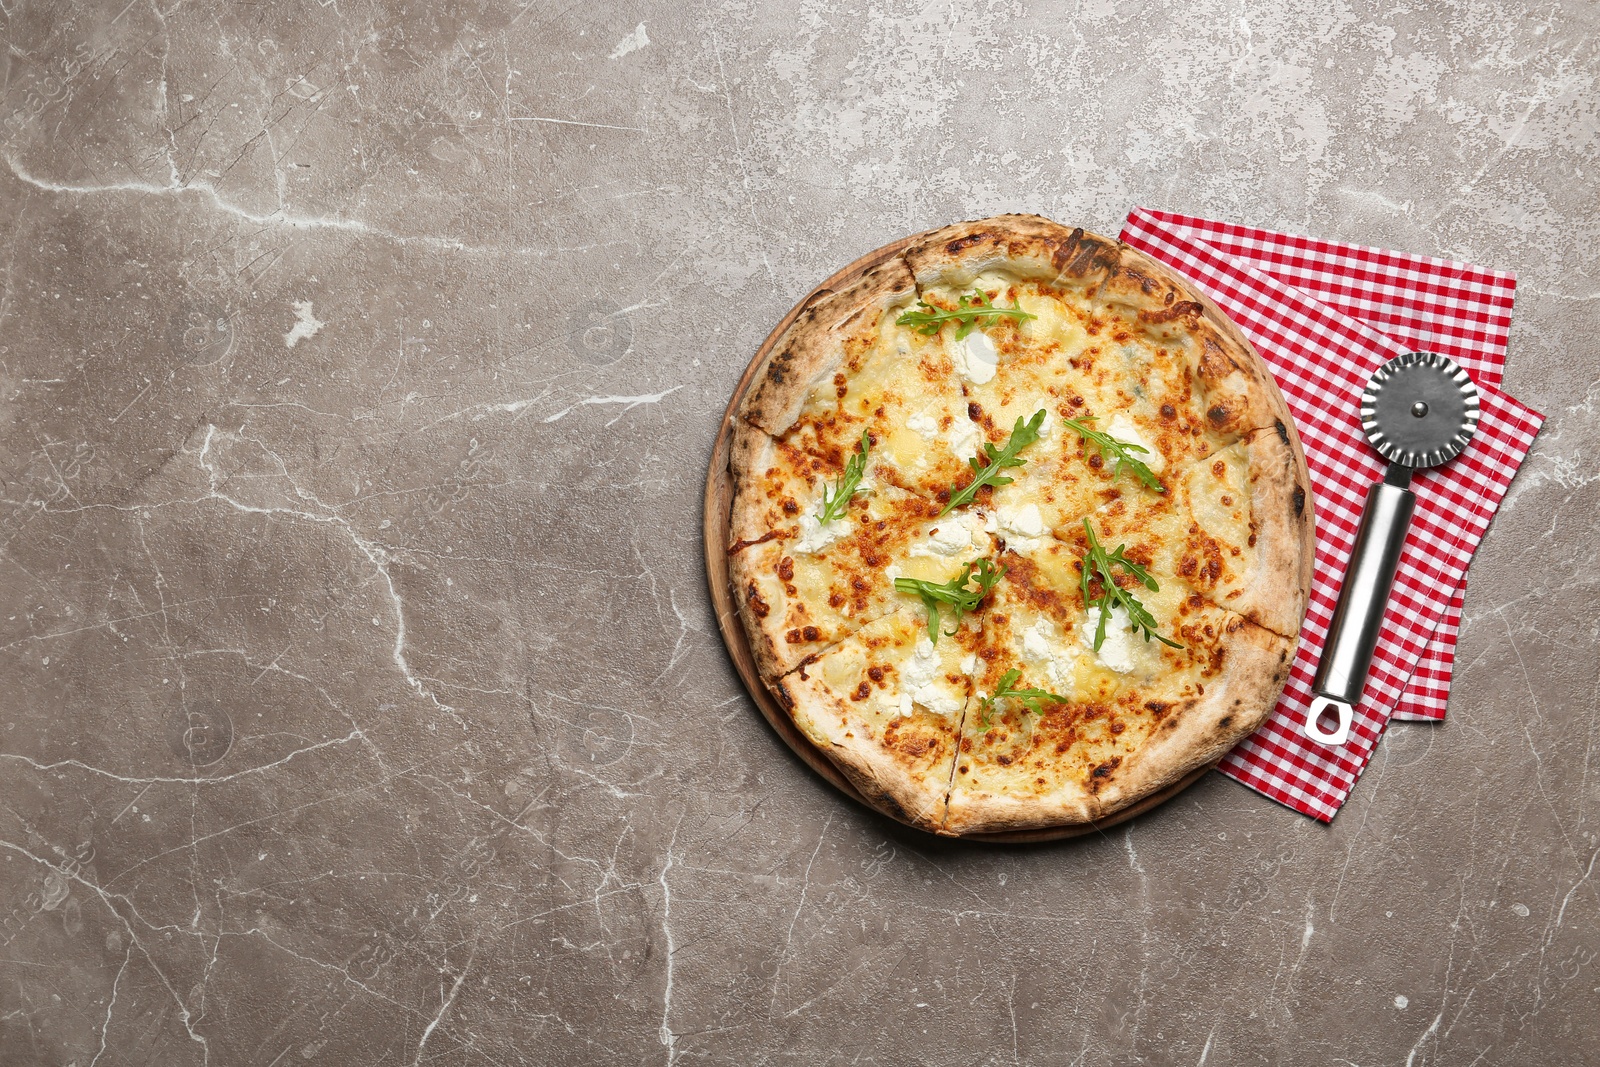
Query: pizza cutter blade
x=1418, y=410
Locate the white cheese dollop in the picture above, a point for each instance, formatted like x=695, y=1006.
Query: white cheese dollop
x=925, y=425
x=1022, y=527
x=975, y=357
x=1117, y=651
x=1036, y=640
x=814, y=536
x=920, y=683
x=952, y=537
x=964, y=437
x=1041, y=646
x=1122, y=428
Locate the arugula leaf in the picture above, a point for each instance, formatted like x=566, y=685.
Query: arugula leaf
x=1033, y=698
x=953, y=593
x=1022, y=435
x=973, y=310
x=848, y=485
x=1121, y=452
x=1112, y=595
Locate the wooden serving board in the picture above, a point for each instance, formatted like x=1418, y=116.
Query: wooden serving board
x=718, y=516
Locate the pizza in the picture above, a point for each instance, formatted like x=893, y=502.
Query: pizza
x=1020, y=531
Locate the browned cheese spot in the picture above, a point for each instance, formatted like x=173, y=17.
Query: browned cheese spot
x=911, y=744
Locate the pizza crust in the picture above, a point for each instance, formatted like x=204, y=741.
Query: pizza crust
x=998, y=814
x=1025, y=245
x=753, y=451
x=1278, y=583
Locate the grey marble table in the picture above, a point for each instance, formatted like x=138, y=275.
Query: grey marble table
x=360, y=702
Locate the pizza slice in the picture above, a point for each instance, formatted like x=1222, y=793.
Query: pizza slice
x=886, y=705
x=1079, y=711
x=1235, y=526
x=812, y=585
x=1145, y=338
x=845, y=368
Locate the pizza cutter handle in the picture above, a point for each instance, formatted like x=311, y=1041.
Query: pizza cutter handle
x=1353, y=637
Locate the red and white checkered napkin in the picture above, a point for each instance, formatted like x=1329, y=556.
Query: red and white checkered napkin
x=1324, y=316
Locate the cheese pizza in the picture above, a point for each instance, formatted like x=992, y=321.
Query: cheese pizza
x=1020, y=531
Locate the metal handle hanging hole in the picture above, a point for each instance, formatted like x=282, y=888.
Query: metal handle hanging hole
x=1337, y=714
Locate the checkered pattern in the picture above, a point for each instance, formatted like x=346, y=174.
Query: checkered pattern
x=1324, y=316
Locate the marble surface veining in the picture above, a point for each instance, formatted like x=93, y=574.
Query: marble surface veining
x=360, y=702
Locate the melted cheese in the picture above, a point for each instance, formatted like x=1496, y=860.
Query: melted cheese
x=1122, y=428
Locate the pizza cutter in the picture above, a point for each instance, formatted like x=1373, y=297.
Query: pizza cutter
x=1418, y=410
